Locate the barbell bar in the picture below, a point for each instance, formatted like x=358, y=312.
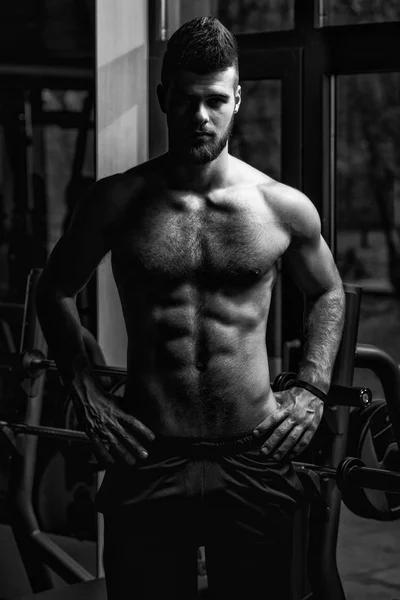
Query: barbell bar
x=350, y=472
x=69, y=435
x=33, y=364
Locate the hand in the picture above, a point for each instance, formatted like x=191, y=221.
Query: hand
x=115, y=434
x=292, y=425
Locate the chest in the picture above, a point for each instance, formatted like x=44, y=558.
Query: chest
x=193, y=236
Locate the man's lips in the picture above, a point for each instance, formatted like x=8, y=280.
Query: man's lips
x=201, y=134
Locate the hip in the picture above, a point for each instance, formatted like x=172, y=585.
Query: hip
x=195, y=469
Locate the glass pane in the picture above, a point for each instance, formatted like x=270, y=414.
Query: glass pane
x=368, y=221
x=368, y=204
x=354, y=12
x=256, y=137
x=251, y=16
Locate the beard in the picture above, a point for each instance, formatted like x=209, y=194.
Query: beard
x=200, y=152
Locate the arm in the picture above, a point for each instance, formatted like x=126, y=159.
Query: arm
x=312, y=267
x=70, y=266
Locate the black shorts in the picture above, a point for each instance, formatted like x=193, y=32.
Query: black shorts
x=221, y=494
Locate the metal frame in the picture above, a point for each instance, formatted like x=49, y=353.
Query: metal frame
x=325, y=53
x=284, y=64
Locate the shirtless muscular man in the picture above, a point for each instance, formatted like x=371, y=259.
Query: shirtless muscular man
x=199, y=451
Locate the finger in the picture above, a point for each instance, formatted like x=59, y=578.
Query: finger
x=272, y=420
x=277, y=436
x=101, y=453
x=138, y=426
x=125, y=440
x=288, y=444
x=120, y=452
x=301, y=445
x=131, y=443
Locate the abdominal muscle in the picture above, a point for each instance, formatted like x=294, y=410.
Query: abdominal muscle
x=229, y=394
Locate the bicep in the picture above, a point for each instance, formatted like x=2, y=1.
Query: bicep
x=311, y=264
x=73, y=262
x=308, y=258
x=79, y=252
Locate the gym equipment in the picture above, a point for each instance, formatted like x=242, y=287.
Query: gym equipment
x=319, y=525
x=37, y=550
x=388, y=373
x=32, y=363
x=371, y=439
x=315, y=572
x=352, y=475
x=69, y=435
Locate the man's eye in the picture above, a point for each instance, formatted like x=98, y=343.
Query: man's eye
x=215, y=101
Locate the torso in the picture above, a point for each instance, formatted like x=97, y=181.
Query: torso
x=195, y=275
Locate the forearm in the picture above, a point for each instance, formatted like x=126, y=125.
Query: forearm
x=324, y=321
x=60, y=323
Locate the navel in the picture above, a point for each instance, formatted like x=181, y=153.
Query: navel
x=201, y=365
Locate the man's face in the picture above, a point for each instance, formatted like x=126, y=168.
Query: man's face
x=200, y=111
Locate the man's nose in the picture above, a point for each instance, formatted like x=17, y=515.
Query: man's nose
x=201, y=113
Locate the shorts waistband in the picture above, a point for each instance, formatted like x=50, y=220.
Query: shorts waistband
x=201, y=446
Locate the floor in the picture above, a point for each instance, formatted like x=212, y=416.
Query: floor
x=368, y=558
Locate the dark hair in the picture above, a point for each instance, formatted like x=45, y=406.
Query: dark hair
x=202, y=45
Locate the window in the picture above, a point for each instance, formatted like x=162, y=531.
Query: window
x=355, y=12
x=256, y=135
x=251, y=16
x=368, y=202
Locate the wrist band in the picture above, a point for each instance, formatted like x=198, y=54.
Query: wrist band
x=311, y=388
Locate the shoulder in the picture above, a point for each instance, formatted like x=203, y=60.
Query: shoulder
x=108, y=199
x=115, y=191
x=294, y=210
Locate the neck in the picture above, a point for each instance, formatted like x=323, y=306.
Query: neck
x=199, y=178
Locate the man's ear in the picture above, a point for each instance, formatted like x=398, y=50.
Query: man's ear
x=238, y=99
x=161, y=95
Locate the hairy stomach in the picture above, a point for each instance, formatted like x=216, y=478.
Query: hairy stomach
x=183, y=387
